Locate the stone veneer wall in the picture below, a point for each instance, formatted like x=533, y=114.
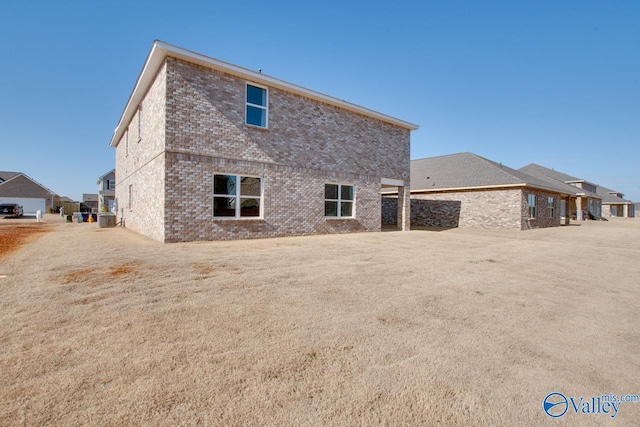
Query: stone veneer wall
x=308, y=144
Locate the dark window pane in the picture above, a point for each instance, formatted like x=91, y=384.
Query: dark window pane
x=224, y=184
x=249, y=186
x=256, y=95
x=346, y=192
x=256, y=116
x=331, y=191
x=346, y=209
x=249, y=207
x=224, y=206
x=330, y=208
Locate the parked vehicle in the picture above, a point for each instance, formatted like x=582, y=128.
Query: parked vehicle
x=11, y=209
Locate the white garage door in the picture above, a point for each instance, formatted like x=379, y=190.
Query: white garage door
x=29, y=205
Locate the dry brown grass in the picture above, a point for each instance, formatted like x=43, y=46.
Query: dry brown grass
x=454, y=328
x=14, y=235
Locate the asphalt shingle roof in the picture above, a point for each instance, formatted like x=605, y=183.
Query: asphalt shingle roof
x=559, y=178
x=468, y=170
x=608, y=198
x=5, y=176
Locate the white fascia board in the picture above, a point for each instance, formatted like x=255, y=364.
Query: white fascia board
x=161, y=50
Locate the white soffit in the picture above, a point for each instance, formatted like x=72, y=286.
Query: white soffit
x=162, y=50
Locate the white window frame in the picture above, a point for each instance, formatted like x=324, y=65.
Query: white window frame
x=551, y=207
x=339, y=201
x=238, y=198
x=532, y=209
x=265, y=107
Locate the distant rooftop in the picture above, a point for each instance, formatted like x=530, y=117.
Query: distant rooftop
x=470, y=171
x=558, y=178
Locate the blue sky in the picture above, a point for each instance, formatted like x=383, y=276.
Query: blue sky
x=550, y=82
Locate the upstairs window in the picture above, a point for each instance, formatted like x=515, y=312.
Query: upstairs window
x=338, y=201
x=531, y=201
x=551, y=207
x=236, y=196
x=257, y=106
x=111, y=184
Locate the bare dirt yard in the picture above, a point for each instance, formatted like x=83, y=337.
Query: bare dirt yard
x=459, y=327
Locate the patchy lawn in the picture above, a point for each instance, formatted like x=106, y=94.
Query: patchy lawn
x=461, y=327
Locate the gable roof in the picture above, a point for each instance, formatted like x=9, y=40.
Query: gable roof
x=105, y=175
x=464, y=171
x=610, y=197
x=559, y=178
x=161, y=50
x=6, y=176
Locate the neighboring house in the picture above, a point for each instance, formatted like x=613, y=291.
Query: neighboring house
x=16, y=187
x=614, y=204
x=206, y=150
x=466, y=190
x=584, y=203
x=89, y=202
x=107, y=192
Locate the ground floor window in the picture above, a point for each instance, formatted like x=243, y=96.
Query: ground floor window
x=338, y=200
x=531, y=202
x=551, y=207
x=237, y=196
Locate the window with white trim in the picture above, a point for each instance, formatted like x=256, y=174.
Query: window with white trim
x=236, y=196
x=256, y=112
x=338, y=201
x=111, y=184
x=130, y=197
x=531, y=202
x=551, y=207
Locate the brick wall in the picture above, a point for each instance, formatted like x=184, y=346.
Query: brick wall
x=543, y=218
x=490, y=209
x=501, y=209
x=140, y=163
x=202, y=132
x=205, y=115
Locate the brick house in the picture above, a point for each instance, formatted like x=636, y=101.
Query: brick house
x=584, y=202
x=466, y=190
x=614, y=203
x=206, y=150
x=16, y=187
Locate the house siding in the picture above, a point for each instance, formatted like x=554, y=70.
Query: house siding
x=140, y=163
x=308, y=144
